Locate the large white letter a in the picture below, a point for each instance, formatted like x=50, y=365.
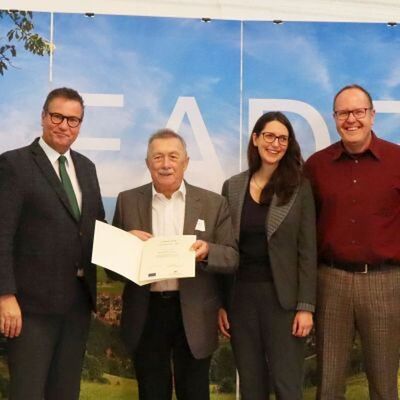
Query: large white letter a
x=206, y=172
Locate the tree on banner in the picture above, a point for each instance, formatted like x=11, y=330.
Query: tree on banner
x=22, y=31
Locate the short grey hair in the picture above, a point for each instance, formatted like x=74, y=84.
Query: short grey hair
x=166, y=133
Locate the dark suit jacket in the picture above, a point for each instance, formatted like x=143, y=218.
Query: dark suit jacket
x=41, y=244
x=290, y=230
x=199, y=296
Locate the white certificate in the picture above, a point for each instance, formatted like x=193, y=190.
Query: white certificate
x=158, y=258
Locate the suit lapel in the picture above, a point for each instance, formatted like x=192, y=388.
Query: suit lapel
x=237, y=193
x=145, y=209
x=83, y=179
x=192, y=210
x=277, y=214
x=47, y=170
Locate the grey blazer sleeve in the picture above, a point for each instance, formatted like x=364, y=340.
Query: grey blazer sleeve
x=117, y=220
x=223, y=256
x=226, y=282
x=307, y=251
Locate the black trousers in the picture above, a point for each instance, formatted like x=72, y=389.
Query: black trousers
x=263, y=344
x=163, y=359
x=45, y=361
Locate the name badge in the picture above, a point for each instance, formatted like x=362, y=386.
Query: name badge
x=200, y=226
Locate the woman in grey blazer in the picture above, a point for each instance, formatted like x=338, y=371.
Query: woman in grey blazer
x=269, y=306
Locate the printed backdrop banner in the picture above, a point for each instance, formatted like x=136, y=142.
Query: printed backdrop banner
x=208, y=80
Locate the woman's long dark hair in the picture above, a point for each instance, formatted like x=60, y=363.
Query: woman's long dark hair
x=287, y=176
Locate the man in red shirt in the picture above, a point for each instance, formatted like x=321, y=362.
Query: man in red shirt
x=356, y=184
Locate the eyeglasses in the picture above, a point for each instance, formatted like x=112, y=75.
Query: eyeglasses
x=58, y=119
x=358, y=113
x=270, y=138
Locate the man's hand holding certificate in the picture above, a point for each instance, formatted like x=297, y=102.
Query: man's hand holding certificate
x=143, y=261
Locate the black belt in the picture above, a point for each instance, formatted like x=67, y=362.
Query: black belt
x=167, y=295
x=362, y=268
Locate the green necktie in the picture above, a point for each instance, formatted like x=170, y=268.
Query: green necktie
x=69, y=190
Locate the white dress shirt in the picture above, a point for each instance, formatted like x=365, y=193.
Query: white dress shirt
x=53, y=156
x=168, y=216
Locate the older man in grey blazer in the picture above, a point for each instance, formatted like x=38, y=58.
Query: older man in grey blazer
x=175, y=319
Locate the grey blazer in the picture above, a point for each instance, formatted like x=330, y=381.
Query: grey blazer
x=291, y=235
x=199, y=296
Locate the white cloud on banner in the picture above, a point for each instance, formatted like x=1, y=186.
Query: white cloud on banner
x=301, y=52
x=17, y=129
x=393, y=79
x=133, y=58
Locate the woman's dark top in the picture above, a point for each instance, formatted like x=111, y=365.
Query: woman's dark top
x=253, y=246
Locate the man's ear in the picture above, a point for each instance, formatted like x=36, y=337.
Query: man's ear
x=373, y=116
x=186, y=163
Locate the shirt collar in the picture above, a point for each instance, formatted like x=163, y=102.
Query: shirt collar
x=53, y=155
x=339, y=151
x=180, y=192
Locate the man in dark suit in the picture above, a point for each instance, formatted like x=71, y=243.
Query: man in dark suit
x=175, y=318
x=49, y=199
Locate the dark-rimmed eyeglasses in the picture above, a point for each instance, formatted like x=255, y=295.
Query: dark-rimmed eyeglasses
x=358, y=113
x=58, y=119
x=269, y=137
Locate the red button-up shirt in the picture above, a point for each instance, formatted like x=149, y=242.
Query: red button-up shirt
x=358, y=202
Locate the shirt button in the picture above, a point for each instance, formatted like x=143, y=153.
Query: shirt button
x=354, y=180
x=352, y=220
x=354, y=201
x=353, y=242
x=356, y=161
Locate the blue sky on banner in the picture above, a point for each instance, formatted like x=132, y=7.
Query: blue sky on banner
x=309, y=62
x=161, y=68
x=22, y=91
x=185, y=73
x=157, y=65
